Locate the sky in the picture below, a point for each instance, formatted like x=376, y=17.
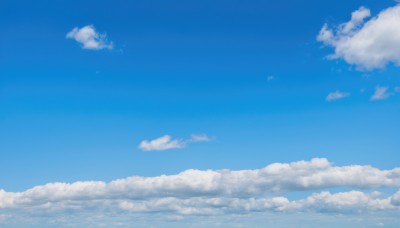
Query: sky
x=199, y=113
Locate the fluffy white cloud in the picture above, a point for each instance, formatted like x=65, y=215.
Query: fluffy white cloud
x=163, y=143
x=343, y=202
x=347, y=202
x=199, y=192
x=337, y=95
x=323, y=202
x=210, y=192
x=166, y=142
x=367, y=44
x=89, y=38
x=381, y=93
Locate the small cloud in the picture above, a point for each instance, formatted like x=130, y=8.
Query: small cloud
x=337, y=95
x=381, y=93
x=397, y=89
x=200, y=138
x=89, y=38
x=163, y=143
x=166, y=142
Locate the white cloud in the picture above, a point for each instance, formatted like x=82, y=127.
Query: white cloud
x=214, y=187
x=89, y=38
x=346, y=202
x=166, y=142
x=343, y=202
x=397, y=89
x=350, y=202
x=211, y=192
x=163, y=143
x=381, y=93
x=367, y=44
x=337, y=95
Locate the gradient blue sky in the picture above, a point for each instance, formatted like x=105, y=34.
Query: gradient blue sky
x=179, y=68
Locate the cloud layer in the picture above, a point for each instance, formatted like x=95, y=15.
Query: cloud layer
x=368, y=44
x=214, y=192
x=89, y=38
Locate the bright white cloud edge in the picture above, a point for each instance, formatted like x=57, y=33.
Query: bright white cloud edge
x=368, y=44
x=217, y=192
x=89, y=38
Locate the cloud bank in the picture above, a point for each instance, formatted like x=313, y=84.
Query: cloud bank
x=366, y=43
x=89, y=38
x=215, y=192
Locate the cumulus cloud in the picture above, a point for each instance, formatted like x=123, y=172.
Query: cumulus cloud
x=337, y=95
x=368, y=44
x=343, y=202
x=166, y=142
x=89, y=38
x=211, y=192
x=219, y=191
x=381, y=93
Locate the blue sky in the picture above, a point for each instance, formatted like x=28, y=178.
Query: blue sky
x=252, y=78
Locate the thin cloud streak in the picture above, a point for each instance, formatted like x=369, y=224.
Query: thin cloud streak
x=337, y=95
x=381, y=93
x=166, y=142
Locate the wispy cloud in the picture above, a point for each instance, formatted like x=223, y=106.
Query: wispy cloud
x=200, y=138
x=215, y=192
x=368, y=44
x=166, y=142
x=163, y=143
x=89, y=38
x=337, y=95
x=381, y=93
